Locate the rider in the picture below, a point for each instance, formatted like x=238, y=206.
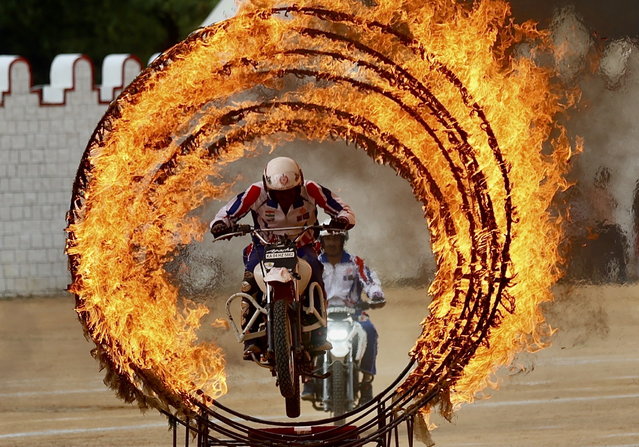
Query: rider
x=283, y=199
x=345, y=277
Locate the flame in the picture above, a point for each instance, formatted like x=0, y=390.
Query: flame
x=221, y=323
x=447, y=94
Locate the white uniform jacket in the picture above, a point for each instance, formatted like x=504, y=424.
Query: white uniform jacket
x=345, y=281
x=267, y=213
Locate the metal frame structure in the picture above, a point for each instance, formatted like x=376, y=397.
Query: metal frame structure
x=377, y=422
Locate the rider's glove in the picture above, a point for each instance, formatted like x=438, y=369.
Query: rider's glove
x=242, y=228
x=377, y=302
x=341, y=223
x=219, y=228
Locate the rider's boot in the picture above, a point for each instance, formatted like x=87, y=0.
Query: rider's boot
x=308, y=393
x=318, y=342
x=366, y=388
x=251, y=349
x=249, y=286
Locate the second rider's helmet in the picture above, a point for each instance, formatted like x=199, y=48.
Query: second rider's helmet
x=324, y=232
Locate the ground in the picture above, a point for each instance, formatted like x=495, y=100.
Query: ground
x=582, y=391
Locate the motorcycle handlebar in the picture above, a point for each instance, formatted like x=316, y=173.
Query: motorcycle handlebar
x=341, y=309
x=361, y=305
x=244, y=229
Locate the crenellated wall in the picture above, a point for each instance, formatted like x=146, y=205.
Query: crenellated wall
x=43, y=133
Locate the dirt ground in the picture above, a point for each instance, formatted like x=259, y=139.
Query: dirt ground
x=582, y=391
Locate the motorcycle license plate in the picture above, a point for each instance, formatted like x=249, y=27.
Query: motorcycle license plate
x=280, y=257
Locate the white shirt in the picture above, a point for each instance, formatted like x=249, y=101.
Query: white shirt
x=345, y=281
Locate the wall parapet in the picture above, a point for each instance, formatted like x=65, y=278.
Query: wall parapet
x=68, y=73
x=43, y=133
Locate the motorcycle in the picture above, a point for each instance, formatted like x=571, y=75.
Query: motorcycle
x=281, y=318
x=338, y=394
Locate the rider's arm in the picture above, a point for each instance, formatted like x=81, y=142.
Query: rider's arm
x=329, y=202
x=369, y=280
x=238, y=207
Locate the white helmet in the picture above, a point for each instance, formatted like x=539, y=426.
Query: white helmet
x=325, y=232
x=282, y=173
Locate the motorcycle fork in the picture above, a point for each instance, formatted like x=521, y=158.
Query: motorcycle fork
x=350, y=391
x=269, y=321
x=325, y=383
x=296, y=323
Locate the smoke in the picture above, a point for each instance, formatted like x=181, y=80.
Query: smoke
x=579, y=313
x=612, y=19
x=572, y=43
x=607, y=73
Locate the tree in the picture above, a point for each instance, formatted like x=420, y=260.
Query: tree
x=39, y=30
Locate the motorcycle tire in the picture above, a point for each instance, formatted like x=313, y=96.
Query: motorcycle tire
x=293, y=406
x=284, y=356
x=339, y=400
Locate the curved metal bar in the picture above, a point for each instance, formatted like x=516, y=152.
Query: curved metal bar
x=387, y=421
x=388, y=389
x=244, y=334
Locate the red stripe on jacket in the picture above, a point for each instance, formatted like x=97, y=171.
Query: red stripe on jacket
x=361, y=268
x=249, y=199
x=317, y=194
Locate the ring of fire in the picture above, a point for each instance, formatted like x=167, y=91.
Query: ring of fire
x=438, y=95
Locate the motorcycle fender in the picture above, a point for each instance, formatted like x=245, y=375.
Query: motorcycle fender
x=278, y=274
x=305, y=271
x=360, y=333
x=259, y=278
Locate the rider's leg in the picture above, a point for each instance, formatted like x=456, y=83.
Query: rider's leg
x=308, y=392
x=366, y=388
x=313, y=386
x=249, y=286
x=368, y=363
x=318, y=336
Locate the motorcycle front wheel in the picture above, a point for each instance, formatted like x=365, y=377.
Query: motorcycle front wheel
x=287, y=378
x=339, y=399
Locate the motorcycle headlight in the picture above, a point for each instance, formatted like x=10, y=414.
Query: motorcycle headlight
x=337, y=333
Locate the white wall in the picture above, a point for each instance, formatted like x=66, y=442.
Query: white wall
x=43, y=133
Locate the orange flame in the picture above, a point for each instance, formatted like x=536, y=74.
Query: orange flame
x=437, y=90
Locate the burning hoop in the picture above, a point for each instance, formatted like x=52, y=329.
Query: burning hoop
x=434, y=89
